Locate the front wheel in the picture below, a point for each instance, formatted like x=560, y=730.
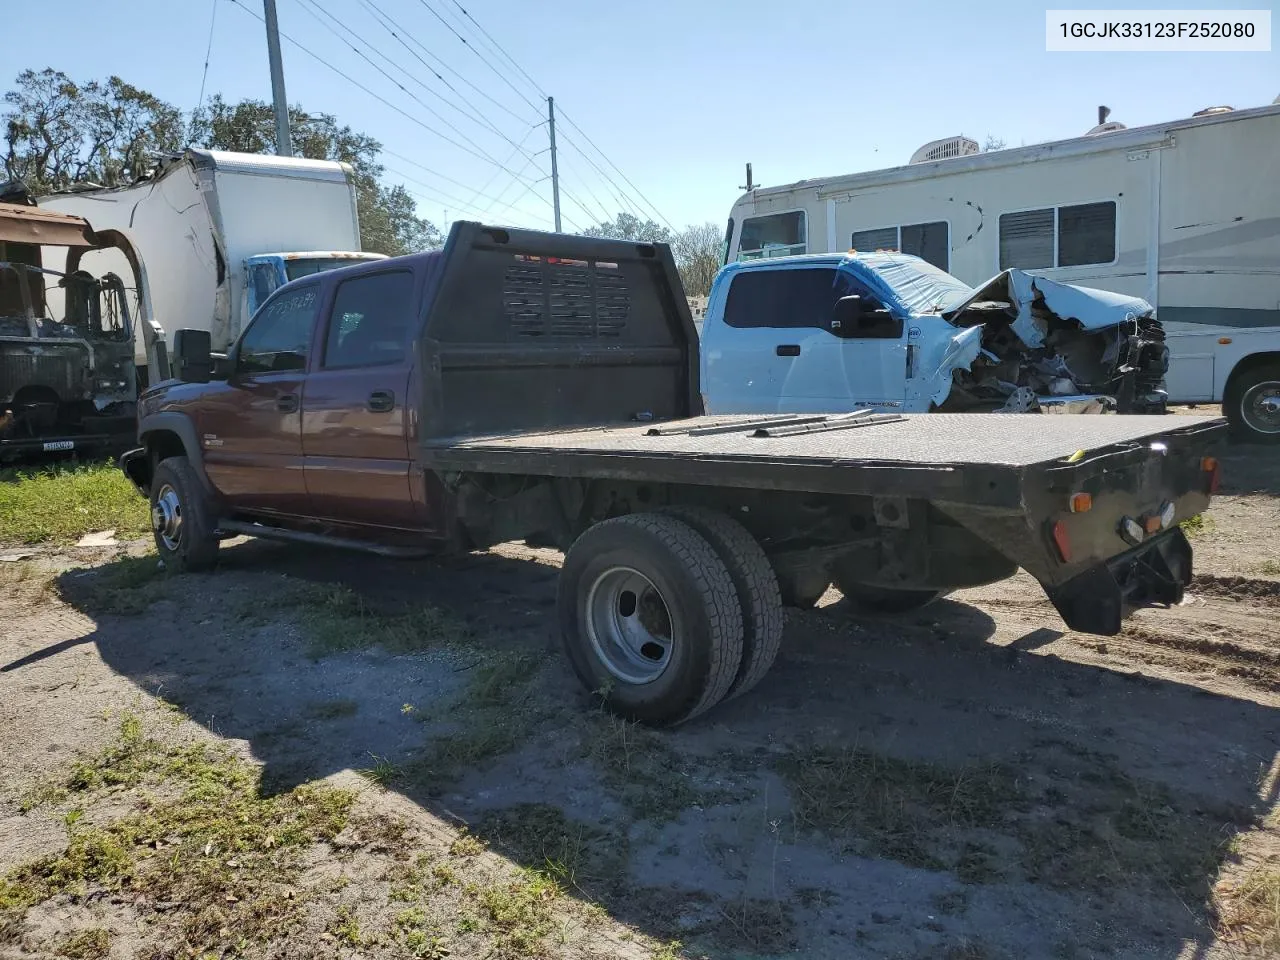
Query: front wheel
x=650, y=618
x=181, y=521
x=1253, y=405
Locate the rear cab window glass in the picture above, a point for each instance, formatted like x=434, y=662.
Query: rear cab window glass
x=369, y=323
x=279, y=338
x=775, y=235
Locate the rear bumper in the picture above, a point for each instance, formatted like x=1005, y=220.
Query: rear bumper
x=1153, y=574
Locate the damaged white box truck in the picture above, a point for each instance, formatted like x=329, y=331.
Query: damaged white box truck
x=219, y=231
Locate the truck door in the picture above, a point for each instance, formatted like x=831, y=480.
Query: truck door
x=251, y=425
x=781, y=348
x=356, y=418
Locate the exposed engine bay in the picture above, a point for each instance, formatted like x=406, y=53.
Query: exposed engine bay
x=1035, y=355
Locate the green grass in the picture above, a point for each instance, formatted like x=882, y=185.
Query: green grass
x=87, y=945
x=61, y=505
x=216, y=845
x=124, y=587
x=1270, y=568
x=1201, y=525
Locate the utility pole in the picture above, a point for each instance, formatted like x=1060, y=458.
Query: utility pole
x=284, y=146
x=555, y=173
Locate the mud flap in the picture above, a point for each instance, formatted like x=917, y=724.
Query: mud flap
x=1154, y=574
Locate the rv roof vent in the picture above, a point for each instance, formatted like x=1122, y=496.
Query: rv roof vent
x=1212, y=111
x=945, y=149
x=1109, y=127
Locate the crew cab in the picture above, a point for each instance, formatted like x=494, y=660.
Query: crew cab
x=891, y=331
x=524, y=385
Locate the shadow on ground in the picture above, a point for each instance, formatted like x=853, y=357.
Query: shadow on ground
x=893, y=788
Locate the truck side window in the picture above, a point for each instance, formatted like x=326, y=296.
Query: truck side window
x=782, y=298
x=369, y=322
x=280, y=335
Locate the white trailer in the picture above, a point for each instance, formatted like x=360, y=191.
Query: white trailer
x=219, y=231
x=1184, y=214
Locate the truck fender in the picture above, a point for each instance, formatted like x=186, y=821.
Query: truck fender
x=170, y=434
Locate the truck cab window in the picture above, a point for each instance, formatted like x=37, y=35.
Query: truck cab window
x=369, y=322
x=280, y=335
x=775, y=235
x=782, y=298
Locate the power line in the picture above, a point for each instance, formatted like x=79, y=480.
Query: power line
x=571, y=123
x=403, y=89
x=451, y=198
x=501, y=76
x=385, y=18
x=213, y=19
x=537, y=87
x=360, y=86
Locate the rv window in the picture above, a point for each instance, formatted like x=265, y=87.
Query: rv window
x=777, y=235
x=928, y=241
x=869, y=240
x=781, y=298
x=1026, y=239
x=1087, y=234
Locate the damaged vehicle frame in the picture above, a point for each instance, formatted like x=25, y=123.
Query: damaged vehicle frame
x=835, y=333
x=66, y=383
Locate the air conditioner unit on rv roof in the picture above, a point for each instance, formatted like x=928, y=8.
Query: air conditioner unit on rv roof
x=1109, y=127
x=945, y=149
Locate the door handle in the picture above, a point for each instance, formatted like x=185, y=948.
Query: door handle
x=788, y=350
x=382, y=401
x=287, y=403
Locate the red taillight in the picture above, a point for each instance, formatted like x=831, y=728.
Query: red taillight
x=1062, y=541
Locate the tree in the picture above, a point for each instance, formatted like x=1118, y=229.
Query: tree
x=388, y=215
x=58, y=132
x=627, y=226
x=992, y=143
x=697, y=250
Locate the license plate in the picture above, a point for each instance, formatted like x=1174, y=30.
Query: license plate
x=51, y=445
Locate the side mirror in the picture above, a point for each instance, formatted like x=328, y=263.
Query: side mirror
x=192, y=356
x=846, y=316
x=864, y=318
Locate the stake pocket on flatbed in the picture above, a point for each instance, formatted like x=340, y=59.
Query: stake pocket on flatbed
x=523, y=385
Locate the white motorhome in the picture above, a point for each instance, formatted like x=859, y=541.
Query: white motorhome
x=1184, y=214
x=219, y=231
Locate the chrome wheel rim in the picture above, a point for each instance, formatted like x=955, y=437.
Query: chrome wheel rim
x=629, y=625
x=1260, y=407
x=166, y=517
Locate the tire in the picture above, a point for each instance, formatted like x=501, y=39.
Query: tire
x=181, y=520
x=886, y=599
x=1253, y=405
x=652, y=566
x=756, y=585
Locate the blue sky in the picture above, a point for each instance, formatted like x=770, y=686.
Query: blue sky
x=679, y=94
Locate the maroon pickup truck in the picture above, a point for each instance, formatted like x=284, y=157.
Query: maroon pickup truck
x=523, y=385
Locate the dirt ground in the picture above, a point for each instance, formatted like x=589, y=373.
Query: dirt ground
x=971, y=781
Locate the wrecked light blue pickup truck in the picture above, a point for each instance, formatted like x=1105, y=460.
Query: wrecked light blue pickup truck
x=835, y=333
